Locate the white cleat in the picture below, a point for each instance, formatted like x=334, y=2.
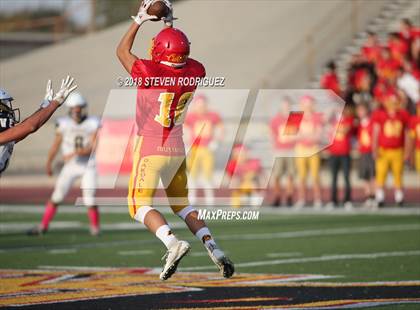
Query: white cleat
x=222, y=262
x=330, y=206
x=94, y=231
x=173, y=256
x=299, y=205
x=348, y=206
x=317, y=205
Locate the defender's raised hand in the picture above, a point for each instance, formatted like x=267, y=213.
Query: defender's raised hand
x=49, y=93
x=65, y=90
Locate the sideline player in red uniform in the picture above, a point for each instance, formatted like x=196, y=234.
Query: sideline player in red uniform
x=366, y=162
x=415, y=137
x=244, y=173
x=308, y=143
x=283, y=145
x=159, y=151
x=205, y=130
x=389, y=135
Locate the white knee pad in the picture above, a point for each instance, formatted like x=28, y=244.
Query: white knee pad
x=141, y=213
x=184, y=212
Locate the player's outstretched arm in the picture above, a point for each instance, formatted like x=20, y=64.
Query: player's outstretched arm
x=40, y=117
x=124, y=53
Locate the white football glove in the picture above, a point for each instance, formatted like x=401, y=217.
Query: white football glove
x=65, y=90
x=142, y=16
x=49, y=93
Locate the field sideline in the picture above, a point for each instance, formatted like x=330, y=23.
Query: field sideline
x=338, y=248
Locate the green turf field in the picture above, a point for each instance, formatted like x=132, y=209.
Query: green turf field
x=351, y=248
x=274, y=243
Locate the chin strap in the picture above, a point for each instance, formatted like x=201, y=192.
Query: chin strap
x=172, y=64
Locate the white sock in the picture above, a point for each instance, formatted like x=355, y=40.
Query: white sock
x=165, y=235
x=380, y=195
x=192, y=192
x=209, y=193
x=204, y=235
x=398, y=195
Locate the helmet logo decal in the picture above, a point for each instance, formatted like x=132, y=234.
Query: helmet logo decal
x=175, y=58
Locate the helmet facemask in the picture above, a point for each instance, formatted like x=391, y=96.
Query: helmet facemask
x=7, y=111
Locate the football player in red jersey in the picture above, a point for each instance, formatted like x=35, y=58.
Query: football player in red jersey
x=159, y=151
x=244, y=173
x=283, y=145
x=205, y=130
x=308, y=143
x=330, y=79
x=388, y=137
x=366, y=162
x=415, y=137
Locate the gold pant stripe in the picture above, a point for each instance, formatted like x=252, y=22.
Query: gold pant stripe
x=134, y=175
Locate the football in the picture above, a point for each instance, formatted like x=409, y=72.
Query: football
x=158, y=9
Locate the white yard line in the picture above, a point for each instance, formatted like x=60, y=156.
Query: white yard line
x=292, y=279
x=13, y=227
x=135, y=252
x=323, y=258
x=287, y=254
x=62, y=251
x=72, y=209
x=258, y=236
x=122, y=209
x=302, y=260
x=21, y=226
x=77, y=268
x=322, y=232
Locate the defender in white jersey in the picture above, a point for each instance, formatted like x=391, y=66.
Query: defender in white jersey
x=11, y=131
x=76, y=135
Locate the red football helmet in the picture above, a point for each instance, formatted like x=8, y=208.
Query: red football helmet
x=170, y=47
